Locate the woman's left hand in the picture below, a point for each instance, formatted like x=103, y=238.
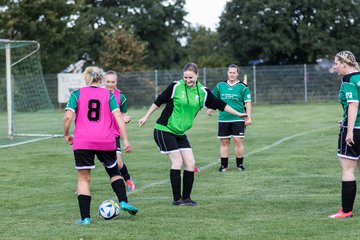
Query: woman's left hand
x=127, y=146
x=247, y=121
x=349, y=138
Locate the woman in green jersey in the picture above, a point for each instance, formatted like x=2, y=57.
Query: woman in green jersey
x=349, y=137
x=238, y=96
x=183, y=99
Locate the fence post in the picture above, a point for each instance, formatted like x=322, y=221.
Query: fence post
x=204, y=73
x=156, y=83
x=305, y=84
x=254, y=80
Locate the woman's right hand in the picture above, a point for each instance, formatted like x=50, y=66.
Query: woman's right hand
x=127, y=119
x=142, y=121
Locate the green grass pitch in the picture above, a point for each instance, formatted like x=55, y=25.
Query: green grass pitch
x=291, y=184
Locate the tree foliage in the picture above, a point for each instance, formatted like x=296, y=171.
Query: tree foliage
x=292, y=31
x=205, y=48
x=66, y=29
x=160, y=24
x=148, y=32
x=44, y=21
x=129, y=52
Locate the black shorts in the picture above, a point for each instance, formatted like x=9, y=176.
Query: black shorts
x=84, y=159
x=168, y=142
x=346, y=151
x=118, y=146
x=231, y=129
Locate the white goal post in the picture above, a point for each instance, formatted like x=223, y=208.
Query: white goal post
x=21, y=72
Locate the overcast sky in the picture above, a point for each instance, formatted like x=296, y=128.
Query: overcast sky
x=204, y=12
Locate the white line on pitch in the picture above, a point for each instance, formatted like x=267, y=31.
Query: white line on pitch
x=246, y=155
x=20, y=143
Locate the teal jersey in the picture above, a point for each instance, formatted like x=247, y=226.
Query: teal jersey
x=73, y=101
x=235, y=96
x=123, y=106
x=349, y=92
x=182, y=105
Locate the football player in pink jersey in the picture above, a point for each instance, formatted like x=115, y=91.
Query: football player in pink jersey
x=93, y=107
x=111, y=78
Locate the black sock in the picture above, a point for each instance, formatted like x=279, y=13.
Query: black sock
x=175, y=180
x=84, y=205
x=348, y=193
x=239, y=161
x=124, y=172
x=188, y=180
x=119, y=188
x=224, y=162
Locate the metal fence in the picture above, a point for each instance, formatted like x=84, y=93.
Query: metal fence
x=268, y=84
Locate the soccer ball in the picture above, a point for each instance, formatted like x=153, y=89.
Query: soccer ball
x=109, y=209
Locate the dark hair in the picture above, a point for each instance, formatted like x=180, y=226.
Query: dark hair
x=191, y=67
x=234, y=66
x=111, y=72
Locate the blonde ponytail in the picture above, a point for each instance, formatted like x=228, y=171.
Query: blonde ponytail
x=93, y=75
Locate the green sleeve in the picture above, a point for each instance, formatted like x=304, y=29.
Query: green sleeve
x=72, y=103
x=113, y=103
x=216, y=91
x=246, y=95
x=123, y=106
x=351, y=92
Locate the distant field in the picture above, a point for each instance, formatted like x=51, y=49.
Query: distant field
x=291, y=184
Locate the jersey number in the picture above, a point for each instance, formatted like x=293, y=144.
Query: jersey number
x=94, y=110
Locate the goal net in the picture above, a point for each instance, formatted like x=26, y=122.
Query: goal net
x=23, y=93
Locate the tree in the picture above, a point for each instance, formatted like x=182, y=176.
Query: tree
x=129, y=52
x=66, y=29
x=291, y=31
x=158, y=23
x=205, y=48
x=45, y=21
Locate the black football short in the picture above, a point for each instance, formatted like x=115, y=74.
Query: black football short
x=118, y=145
x=168, y=142
x=346, y=151
x=84, y=159
x=231, y=129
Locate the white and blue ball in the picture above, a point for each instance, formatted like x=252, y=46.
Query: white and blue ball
x=109, y=209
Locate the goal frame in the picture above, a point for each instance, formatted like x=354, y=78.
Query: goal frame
x=9, y=90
